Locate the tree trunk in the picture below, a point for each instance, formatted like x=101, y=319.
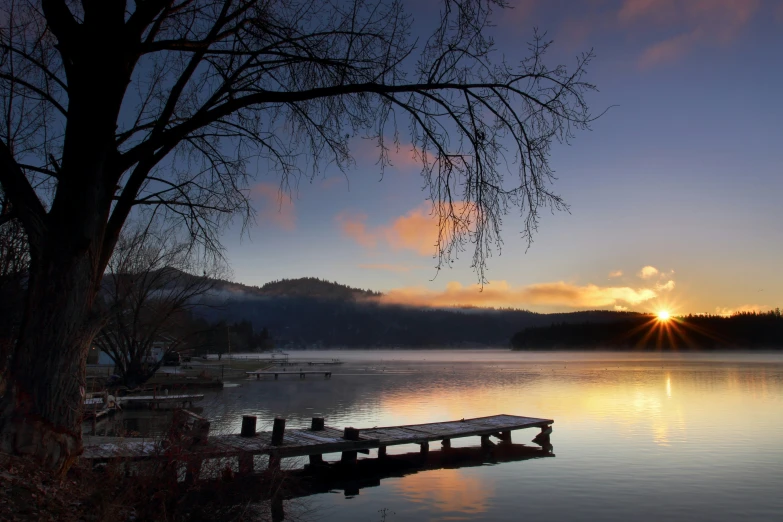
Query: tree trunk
x=42, y=393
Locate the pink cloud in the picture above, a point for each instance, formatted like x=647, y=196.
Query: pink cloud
x=701, y=22
x=276, y=207
x=667, y=51
x=354, y=227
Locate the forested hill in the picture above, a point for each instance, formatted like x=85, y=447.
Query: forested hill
x=311, y=312
x=314, y=287
x=693, y=332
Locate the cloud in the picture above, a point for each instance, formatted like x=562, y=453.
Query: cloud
x=698, y=22
x=648, y=272
x=390, y=267
x=416, y=231
x=276, y=207
x=355, y=228
x=501, y=294
x=666, y=51
x=616, y=273
x=667, y=286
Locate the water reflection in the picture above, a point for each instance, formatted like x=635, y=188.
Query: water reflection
x=642, y=436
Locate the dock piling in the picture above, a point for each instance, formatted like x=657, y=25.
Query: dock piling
x=248, y=426
x=486, y=443
x=278, y=430
x=445, y=443
x=348, y=457
x=316, y=459
x=351, y=434
x=245, y=463
x=317, y=424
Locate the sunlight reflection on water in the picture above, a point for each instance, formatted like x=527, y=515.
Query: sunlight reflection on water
x=642, y=436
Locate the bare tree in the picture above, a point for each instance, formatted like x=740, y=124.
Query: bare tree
x=168, y=105
x=154, y=279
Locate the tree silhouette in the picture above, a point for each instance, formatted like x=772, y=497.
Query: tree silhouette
x=112, y=108
x=152, y=283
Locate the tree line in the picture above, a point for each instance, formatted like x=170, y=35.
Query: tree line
x=741, y=331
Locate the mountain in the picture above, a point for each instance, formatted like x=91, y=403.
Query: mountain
x=313, y=312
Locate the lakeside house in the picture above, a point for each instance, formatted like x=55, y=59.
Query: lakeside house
x=159, y=348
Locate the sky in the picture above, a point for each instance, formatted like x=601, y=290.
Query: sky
x=674, y=194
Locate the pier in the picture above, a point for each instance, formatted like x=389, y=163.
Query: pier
x=314, y=441
x=155, y=401
x=302, y=374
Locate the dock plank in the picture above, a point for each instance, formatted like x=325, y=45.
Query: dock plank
x=300, y=442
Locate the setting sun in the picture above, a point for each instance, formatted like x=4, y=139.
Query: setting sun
x=663, y=315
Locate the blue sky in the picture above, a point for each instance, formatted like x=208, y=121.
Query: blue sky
x=683, y=174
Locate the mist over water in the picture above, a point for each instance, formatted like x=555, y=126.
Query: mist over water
x=636, y=436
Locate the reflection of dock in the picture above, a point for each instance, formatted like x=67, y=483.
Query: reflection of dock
x=352, y=478
x=366, y=473
x=320, y=439
x=300, y=373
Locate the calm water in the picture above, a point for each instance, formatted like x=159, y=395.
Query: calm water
x=636, y=436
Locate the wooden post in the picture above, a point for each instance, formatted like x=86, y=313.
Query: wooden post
x=317, y=424
x=505, y=436
x=381, y=452
x=425, y=448
x=258, y=376
x=278, y=430
x=351, y=434
x=348, y=457
x=193, y=469
x=316, y=459
x=275, y=376
x=248, y=426
x=486, y=443
x=445, y=443
x=274, y=461
x=245, y=463
x=278, y=515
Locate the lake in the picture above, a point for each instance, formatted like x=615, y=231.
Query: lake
x=637, y=436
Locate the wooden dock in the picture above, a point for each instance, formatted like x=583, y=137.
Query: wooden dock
x=302, y=374
x=315, y=441
x=155, y=401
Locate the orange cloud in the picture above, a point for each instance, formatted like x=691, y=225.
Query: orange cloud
x=648, y=272
x=500, y=294
x=417, y=230
x=355, y=228
x=616, y=273
x=276, y=207
x=701, y=22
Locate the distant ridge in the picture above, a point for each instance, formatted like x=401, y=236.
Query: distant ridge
x=314, y=287
x=309, y=311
